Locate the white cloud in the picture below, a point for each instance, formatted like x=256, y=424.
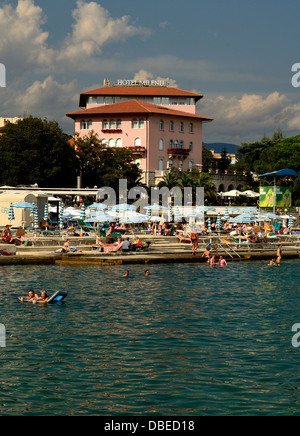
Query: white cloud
x=144, y=75
x=22, y=41
x=250, y=116
x=45, y=99
x=92, y=29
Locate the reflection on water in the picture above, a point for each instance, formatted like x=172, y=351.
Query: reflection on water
x=188, y=340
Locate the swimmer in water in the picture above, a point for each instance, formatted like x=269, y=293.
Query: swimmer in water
x=126, y=274
x=31, y=297
x=43, y=299
x=222, y=261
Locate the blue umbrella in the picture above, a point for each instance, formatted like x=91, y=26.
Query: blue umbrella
x=291, y=221
x=227, y=216
x=11, y=214
x=24, y=205
x=99, y=206
x=170, y=214
x=123, y=208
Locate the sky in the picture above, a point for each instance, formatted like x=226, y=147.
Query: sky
x=238, y=54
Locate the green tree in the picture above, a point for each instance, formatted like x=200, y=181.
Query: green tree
x=36, y=151
x=210, y=191
x=104, y=166
x=169, y=181
x=224, y=162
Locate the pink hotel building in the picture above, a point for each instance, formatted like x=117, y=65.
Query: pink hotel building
x=159, y=124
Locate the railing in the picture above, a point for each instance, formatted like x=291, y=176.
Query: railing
x=138, y=150
x=179, y=151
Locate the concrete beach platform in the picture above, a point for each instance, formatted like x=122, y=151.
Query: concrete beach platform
x=162, y=250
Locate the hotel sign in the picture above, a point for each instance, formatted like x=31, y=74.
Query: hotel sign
x=127, y=82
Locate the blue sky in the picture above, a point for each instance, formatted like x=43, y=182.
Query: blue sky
x=238, y=54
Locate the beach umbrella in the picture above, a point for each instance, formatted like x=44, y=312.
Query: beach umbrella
x=61, y=216
x=123, y=208
x=233, y=193
x=11, y=214
x=177, y=214
x=36, y=218
x=82, y=212
x=46, y=212
x=204, y=209
x=155, y=219
x=209, y=225
x=227, y=216
x=156, y=207
x=98, y=206
x=291, y=221
x=251, y=194
x=219, y=221
x=149, y=214
x=170, y=214
x=24, y=205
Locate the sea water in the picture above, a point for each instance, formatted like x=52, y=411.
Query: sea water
x=188, y=340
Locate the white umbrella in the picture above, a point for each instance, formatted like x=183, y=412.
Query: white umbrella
x=251, y=194
x=233, y=193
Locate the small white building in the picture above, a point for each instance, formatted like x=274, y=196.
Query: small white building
x=22, y=216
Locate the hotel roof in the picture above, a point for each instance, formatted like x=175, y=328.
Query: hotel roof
x=134, y=107
x=138, y=91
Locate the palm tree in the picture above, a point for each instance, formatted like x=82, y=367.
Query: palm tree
x=169, y=181
x=187, y=180
x=204, y=181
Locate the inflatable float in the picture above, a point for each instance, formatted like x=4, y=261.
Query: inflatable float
x=56, y=297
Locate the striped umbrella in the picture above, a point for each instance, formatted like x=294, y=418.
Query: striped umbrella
x=219, y=221
x=291, y=221
x=149, y=214
x=36, y=218
x=226, y=216
x=11, y=214
x=177, y=215
x=61, y=216
x=82, y=212
x=170, y=214
x=46, y=212
x=209, y=225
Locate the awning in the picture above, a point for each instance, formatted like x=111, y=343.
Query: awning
x=280, y=173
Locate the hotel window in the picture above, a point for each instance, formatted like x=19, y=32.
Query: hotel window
x=135, y=124
x=141, y=124
x=161, y=125
x=137, y=142
x=100, y=100
x=83, y=125
x=161, y=164
x=181, y=164
x=181, y=127
x=119, y=124
x=191, y=128
x=112, y=124
x=108, y=100
x=105, y=125
x=171, y=126
x=181, y=144
x=157, y=100
x=119, y=143
x=176, y=144
x=170, y=164
x=90, y=125
x=171, y=143
x=161, y=144
x=191, y=164
x=111, y=143
x=191, y=146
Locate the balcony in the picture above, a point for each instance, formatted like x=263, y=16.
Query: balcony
x=184, y=152
x=138, y=151
x=112, y=131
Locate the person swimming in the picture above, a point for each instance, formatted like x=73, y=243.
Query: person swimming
x=32, y=296
x=222, y=261
x=43, y=299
